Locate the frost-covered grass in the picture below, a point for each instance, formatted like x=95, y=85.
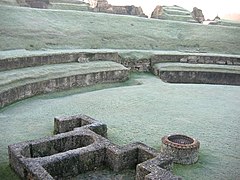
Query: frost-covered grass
x=144, y=112
x=36, y=29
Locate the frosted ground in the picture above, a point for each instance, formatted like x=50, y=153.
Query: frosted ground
x=142, y=109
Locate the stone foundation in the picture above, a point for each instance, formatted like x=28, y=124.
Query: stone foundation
x=83, y=147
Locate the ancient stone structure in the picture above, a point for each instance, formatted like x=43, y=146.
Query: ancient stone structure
x=220, y=75
x=86, y=74
x=81, y=146
x=157, y=12
x=145, y=63
x=57, y=58
x=200, y=74
x=103, y=6
x=183, y=149
x=174, y=13
x=198, y=15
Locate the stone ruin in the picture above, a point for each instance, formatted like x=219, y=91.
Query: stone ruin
x=80, y=145
x=183, y=149
x=174, y=13
x=198, y=15
x=104, y=6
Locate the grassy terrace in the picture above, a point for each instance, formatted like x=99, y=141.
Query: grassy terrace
x=18, y=77
x=56, y=29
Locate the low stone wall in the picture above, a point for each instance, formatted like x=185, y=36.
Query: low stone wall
x=211, y=60
x=69, y=123
x=204, y=74
x=31, y=61
x=196, y=59
x=156, y=168
x=141, y=64
x=79, y=80
x=69, y=154
x=200, y=77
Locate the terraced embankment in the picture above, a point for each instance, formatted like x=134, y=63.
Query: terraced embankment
x=27, y=82
x=26, y=76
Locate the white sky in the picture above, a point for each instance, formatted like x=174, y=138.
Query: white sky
x=210, y=8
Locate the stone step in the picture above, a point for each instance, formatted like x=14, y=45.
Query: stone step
x=26, y=82
x=198, y=73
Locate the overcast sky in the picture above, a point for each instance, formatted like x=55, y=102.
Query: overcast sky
x=210, y=8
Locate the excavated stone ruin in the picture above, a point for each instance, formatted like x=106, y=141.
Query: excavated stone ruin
x=80, y=145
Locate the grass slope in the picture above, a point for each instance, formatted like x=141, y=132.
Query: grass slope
x=34, y=29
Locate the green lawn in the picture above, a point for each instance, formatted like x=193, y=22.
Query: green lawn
x=37, y=29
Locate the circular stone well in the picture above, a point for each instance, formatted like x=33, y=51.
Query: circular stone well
x=183, y=149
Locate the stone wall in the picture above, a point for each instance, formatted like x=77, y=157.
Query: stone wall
x=80, y=80
x=200, y=77
x=174, y=73
x=143, y=64
x=103, y=6
x=38, y=60
x=77, y=151
x=211, y=60
x=196, y=59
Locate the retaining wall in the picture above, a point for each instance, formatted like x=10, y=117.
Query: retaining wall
x=199, y=73
x=200, y=77
x=141, y=64
x=80, y=80
x=38, y=60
